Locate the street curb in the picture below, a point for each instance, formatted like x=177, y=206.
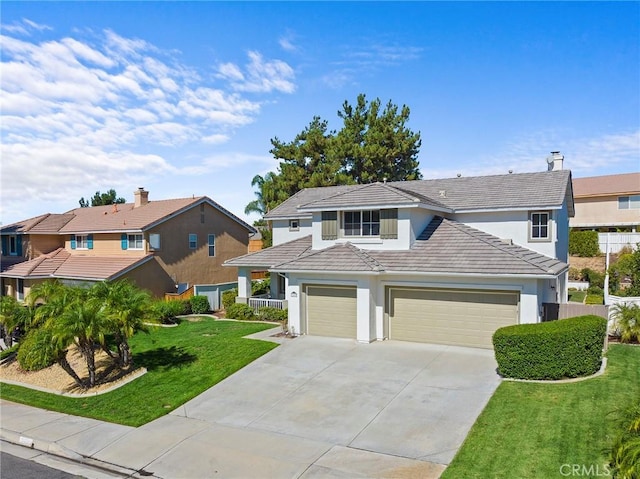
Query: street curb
x=57, y=450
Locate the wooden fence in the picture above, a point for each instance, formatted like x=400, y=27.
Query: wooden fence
x=553, y=311
x=179, y=296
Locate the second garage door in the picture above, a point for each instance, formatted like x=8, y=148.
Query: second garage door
x=462, y=318
x=331, y=311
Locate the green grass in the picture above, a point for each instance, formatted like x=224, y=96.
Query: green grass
x=594, y=299
x=577, y=296
x=182, y=362
x=530, y=430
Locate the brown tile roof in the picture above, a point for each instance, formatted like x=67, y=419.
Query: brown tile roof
x=445, y=246
x=43, y=224
x=64, y=265
x=626, y=183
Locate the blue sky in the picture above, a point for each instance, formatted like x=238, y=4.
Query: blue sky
x=182, y=98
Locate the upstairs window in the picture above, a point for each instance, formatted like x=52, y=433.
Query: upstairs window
x=361, y=223
x=81, y=241
x=12, y=245
x=211, y=242
x=629, y=202
x=132, y=241
x=193, y=241
x=294, y=225
x=540, y=225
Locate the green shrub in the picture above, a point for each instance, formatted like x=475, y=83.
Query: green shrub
x=199, y=304
x=566, y=348
x=595, y=278
x=229, y=297
x=597, y=290
x=5, y=353
x=583, y=243
x=34, y=353
x=625, y=453
x=186, y=306
x=166, y=311
x=259, y=287
x=240, y=311
x=267, y=313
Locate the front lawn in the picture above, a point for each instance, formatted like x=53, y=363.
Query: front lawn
x=530, y=430
x=182, y=362
x=577, y=296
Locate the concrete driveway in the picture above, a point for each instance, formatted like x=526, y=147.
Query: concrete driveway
x=313, y=407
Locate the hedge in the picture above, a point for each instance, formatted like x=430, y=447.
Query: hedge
x=583, y=243
x=240, y=311
x=566, y=348
x=199, y=304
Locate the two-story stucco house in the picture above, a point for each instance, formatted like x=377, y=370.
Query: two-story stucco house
x=607, y=203
x=156, y=244
x=442, y=261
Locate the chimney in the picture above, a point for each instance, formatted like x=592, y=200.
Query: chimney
x=554, y=162
x=141, y=197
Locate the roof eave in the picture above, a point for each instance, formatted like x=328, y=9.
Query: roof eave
x=508, y=208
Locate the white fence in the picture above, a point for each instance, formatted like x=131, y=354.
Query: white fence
x=617, y=241
x=257, y=303
x=613, y=300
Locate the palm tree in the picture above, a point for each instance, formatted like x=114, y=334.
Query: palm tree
x=125, y=307
x=14, y=316
x=626, y=318
x=56, y=297
x=83, y=322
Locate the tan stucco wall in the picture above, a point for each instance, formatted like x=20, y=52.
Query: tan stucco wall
x=196, y=266
x=602, y=211
x=106, y=244
x=152, y=277
x=37, y=245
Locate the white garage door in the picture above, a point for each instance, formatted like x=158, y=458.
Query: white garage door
x=331, y=311
x=462, y=318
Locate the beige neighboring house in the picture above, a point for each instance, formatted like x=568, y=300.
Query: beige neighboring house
x=607, y=203
x=156, y=244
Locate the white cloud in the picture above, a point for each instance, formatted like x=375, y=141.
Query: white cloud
x=260, y=75
x=25, y=27
x=286, y=43
x=101, y=110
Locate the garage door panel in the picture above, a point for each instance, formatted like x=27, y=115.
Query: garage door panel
x=331, y=311
x=450, y=317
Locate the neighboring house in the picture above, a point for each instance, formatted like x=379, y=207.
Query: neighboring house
x=607, y=203
x=157, y=244
x=442, y=261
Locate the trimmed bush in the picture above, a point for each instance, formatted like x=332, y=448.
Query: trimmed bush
x=267, y=313
x=566, y=348
x=199, y=304
x=229, y=297
x=594, y=299
x=166, y=311
x=240, y=311
x=583, y=243
x=594, y=278
x=186, y=306
x=34, y=353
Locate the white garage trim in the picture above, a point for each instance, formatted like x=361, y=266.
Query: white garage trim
x=331, y=310
x=449, y=316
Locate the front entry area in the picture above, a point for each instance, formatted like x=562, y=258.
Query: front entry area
x=331, y=311
x=455, y=317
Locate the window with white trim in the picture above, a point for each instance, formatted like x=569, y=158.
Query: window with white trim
x=629, y=202
x=361, y=223
x=294, y=225
x=211, y=242
x=540, y=225
x=134, y=241
x=193, y=241
x=82, y=242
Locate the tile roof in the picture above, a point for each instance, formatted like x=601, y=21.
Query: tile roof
x=626, y=183
x=546, y=189
x=43, y=224
x=445, y=246
x=62, y=264
x=372, y=194
x=448, y=246
x=270, y=257
x=113, y=218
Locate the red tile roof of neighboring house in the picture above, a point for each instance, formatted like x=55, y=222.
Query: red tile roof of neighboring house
x=43, y=224
x=626, y=183
x=62, y=264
